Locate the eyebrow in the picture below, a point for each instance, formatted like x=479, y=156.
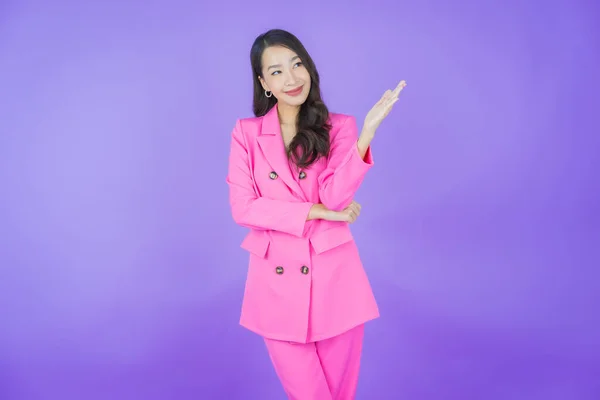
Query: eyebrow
x=279, y=65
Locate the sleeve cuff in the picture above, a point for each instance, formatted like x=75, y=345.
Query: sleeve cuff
x=303, y=211
x=368, y=158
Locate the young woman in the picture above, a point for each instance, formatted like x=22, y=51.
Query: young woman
x=294, y=169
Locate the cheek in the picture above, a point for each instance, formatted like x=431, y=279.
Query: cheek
x=305, y=75
x=307, y=84
x=274, y=84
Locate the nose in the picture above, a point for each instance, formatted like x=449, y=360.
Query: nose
x=290, y=78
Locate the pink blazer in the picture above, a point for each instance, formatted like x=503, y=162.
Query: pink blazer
x=305, y=280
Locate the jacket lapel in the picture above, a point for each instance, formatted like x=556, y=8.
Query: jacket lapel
x=273, y=149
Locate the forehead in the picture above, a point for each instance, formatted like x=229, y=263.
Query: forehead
x=277, y=55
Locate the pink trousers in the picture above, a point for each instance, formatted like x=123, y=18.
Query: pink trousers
x=324, y=370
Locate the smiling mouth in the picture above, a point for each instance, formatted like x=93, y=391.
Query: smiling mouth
x=295, y=92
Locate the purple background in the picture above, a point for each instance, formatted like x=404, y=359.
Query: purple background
x=121, y=274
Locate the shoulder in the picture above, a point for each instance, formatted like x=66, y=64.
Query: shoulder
x=247, y=128
x=342, y=124
x=251, y=123
x=338, y=119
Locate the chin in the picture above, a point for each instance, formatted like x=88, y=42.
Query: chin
x=296, y=101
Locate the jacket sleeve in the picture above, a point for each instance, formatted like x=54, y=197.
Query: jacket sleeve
x=250, y=210
x=345, y=168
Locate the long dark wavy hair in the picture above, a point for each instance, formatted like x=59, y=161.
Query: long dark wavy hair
x=312, y=126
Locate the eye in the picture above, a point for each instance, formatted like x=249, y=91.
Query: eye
x=275, y=72
x=299, y=63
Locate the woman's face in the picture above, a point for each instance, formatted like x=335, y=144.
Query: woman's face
x=285, y=76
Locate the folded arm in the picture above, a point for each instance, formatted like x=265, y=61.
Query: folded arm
x=255, y=212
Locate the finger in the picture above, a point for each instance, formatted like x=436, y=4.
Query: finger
x=387, y=111
x=353, y=213
x=350, y=217
x=392, y=98
x=385, y=96
x=388, y=107
x=389, y=102
x=399, y=88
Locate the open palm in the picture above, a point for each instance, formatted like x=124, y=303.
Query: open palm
x=382, y=108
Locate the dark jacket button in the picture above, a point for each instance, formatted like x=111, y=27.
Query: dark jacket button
x=304, y=269
x=273, y=175
x=279, y=270
x=302, y=175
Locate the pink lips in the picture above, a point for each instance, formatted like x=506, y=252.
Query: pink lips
x=295, y=92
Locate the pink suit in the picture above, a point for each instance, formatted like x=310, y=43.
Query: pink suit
x=305, y=281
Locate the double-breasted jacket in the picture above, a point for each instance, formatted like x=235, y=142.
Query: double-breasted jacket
x=305, y=280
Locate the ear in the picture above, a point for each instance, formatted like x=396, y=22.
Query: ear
x=263, y=83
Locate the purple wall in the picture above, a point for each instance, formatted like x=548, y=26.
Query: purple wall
x=121, y=275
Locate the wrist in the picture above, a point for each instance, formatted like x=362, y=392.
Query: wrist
x=367, y=133
x=317, y=211
x=364, y=141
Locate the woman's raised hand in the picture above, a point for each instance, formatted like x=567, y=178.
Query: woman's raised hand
x=382, y=108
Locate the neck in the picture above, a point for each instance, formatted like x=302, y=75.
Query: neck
x=287, y=114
